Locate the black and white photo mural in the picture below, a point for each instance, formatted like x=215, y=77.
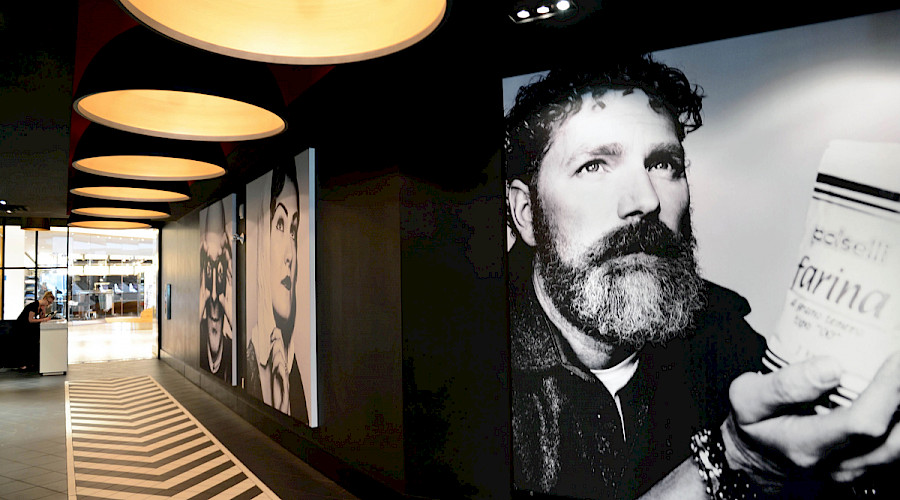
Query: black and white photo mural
x=217, y=285
x=680, y=218
x=281, y=336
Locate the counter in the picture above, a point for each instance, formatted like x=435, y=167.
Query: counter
x=54, y=347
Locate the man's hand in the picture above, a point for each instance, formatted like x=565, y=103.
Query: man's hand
x=844, y=442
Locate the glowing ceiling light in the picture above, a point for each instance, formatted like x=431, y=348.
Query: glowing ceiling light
x=563, y=5
x=109, y=152
x=112, y=209
x=179, y=115
x=543, y=9
x=290, y=31
x=130, y=193
x=108, y=224
x=120, y=213
x=145, y=83
x=523, y=14
x=150, y=168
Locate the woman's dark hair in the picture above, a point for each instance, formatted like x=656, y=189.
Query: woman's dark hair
x=542, y=105
x=284, y=170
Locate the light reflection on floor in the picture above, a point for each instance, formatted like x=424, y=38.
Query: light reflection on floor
x=94, y=341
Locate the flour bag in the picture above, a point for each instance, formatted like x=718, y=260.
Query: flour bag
x=843, y=299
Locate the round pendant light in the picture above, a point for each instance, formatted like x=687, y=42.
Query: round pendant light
x=308, y=32
x=89, y=223
x=109, y=152
x=115, y=209
x=148, y=84
x=111, y=188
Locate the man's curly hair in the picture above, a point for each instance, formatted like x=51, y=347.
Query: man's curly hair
x=542, y=105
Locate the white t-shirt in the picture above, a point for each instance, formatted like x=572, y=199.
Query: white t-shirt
x=615, y=378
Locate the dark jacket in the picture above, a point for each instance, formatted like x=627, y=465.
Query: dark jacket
x=567, y=436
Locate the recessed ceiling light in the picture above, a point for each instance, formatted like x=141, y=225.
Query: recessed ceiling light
x=527, y=11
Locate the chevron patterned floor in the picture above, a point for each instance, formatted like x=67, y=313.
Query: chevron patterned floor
x=128, y=438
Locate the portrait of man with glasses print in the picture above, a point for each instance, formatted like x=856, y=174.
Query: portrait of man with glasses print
x=216, y=289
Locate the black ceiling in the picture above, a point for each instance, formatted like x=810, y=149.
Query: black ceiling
x=36, y=70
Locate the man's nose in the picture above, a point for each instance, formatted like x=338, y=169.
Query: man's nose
x=639, y=197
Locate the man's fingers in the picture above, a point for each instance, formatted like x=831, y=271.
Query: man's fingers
x=887, y=452
x=804, y=440
x=756, y=397
x=873, y=412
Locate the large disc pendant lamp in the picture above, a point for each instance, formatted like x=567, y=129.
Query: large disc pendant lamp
x=148, y=84
x=91, y=223
x=111, y=188
x=305, y=32
x=116, y=209
x=109, y=152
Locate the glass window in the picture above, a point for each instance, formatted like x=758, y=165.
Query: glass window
x=112, y=273
x=52, y=248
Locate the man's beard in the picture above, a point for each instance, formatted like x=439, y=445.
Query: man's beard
x=636, y=285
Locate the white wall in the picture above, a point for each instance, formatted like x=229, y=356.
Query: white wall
x=774, y=101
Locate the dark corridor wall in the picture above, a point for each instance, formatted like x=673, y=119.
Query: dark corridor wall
x=413, y=350
x=359, y=333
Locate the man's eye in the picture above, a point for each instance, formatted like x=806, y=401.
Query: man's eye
x=592, y=166
x=674, y=168
x=279, y=225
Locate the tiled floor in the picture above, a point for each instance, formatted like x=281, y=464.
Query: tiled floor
x=33, y=433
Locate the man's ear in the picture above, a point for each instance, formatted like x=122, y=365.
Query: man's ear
x=519, y=199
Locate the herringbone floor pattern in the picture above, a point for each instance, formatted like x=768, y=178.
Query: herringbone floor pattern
x=128, y=438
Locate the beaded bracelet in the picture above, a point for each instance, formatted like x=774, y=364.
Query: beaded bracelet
x=722, y=483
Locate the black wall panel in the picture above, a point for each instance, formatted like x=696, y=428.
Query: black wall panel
x=357, y=241
x=180, y=258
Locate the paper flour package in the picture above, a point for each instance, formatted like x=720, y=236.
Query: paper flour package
x=843, y=299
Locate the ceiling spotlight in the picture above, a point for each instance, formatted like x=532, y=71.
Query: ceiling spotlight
x=531, y=10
